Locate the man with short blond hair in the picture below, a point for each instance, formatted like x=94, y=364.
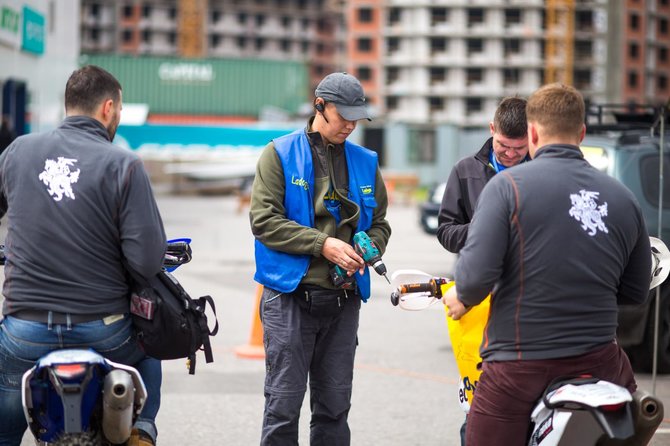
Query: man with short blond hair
x=558, y=244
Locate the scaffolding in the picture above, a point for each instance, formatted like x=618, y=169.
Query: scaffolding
x=559, y=43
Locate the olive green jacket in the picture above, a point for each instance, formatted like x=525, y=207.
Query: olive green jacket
x=271, y=227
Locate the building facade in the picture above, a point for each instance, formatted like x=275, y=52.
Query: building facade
x=39, y=50
x=308, y=31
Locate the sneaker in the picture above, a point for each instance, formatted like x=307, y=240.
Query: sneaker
x=139, y=438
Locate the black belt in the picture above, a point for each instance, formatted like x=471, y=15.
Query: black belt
x=56, y=317
x=306, y=291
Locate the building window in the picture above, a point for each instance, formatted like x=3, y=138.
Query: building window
x=633, y=50
x=215, y=16
x=473, y=105
x=242, y=18
x=392, y=44
x=392, y=74
x=259, y=43
x=127, y=36
x=304, y=47
x=241, y=42
x=260, y=20
x=172, y=13
x=394, y=16
x=214, y=40
x=435, y=103
x=582, y=79
x=364, y=44
x=438, y=45
x=663, y=54
x=172, y=37
x=146, y=36
x=286, y=22
x=663, y=26
x=305, y=23
x=365, y=15
x=438, y=16
x=511, y=77
x=95, y=10
x=146, y=11
x=584, y=20
x=285, y=45
x=421, y=146
x=475, y=17
x=584, y=50
x=127, y=11
x=95, y=34
x=364, y=73
x=475, y=46
x=512, y=17
x=634, y=21
x=662, y=82
x=632, y=79
x=391, y=102
x=325, y=26
x=474, y=76
x=438, y=75
x=511, y=47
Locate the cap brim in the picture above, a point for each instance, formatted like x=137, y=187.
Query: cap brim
x=660, y=262
x=352, y=112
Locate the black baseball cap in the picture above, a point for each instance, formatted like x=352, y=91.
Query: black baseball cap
x=346, y=93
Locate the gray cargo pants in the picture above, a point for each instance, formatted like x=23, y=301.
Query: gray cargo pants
x=298, y=344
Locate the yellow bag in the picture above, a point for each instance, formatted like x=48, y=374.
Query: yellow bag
x=466, y=336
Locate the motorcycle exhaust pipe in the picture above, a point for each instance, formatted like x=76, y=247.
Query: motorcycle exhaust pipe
x=648, y=414
x=117, y=411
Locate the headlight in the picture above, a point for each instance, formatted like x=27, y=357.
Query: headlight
x=597, y=157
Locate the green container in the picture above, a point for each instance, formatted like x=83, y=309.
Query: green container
x=225, y=87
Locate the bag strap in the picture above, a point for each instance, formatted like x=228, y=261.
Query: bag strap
x=201, y=304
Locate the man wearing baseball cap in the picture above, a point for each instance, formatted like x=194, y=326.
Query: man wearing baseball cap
x=312, y=192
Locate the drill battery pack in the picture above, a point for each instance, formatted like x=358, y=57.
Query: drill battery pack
x=340, y=278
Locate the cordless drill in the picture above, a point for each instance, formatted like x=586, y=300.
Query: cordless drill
x=367, y=249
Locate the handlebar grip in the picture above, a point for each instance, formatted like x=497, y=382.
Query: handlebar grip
x=418, y=288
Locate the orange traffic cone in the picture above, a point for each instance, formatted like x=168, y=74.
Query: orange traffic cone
x=254, y=349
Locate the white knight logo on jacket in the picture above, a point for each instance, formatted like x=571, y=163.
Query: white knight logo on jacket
x=58, y=177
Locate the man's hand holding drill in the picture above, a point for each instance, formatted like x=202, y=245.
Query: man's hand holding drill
x=343, y=255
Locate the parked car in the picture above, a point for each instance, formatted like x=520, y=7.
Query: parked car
x=429, y=209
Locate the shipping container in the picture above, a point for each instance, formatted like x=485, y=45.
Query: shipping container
x=221, y=87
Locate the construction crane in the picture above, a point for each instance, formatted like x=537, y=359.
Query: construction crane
x=560, y=41
x=191, y=28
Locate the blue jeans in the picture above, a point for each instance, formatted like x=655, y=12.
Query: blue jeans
x=22, y=343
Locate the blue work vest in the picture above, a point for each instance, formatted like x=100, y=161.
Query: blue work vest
x=283, y=271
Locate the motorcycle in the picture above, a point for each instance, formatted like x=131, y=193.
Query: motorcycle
x=76, y=397
x=573, y=410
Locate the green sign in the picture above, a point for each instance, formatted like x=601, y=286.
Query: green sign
x=10, y=19
x=33, y=31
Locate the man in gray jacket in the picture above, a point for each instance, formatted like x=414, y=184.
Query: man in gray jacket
x=77, y=208
x=558, y=244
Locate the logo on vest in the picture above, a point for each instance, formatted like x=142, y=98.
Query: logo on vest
x=366, y=190
x=585, y=210
x=299, y=182
x=58, y=177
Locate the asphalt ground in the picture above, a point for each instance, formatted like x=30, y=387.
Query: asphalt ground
x=405, y=380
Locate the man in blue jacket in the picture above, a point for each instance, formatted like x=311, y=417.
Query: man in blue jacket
x=313, y=191
x=78, y=209
x=558, y=244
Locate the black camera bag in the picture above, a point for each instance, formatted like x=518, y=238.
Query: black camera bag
x=168, y=322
